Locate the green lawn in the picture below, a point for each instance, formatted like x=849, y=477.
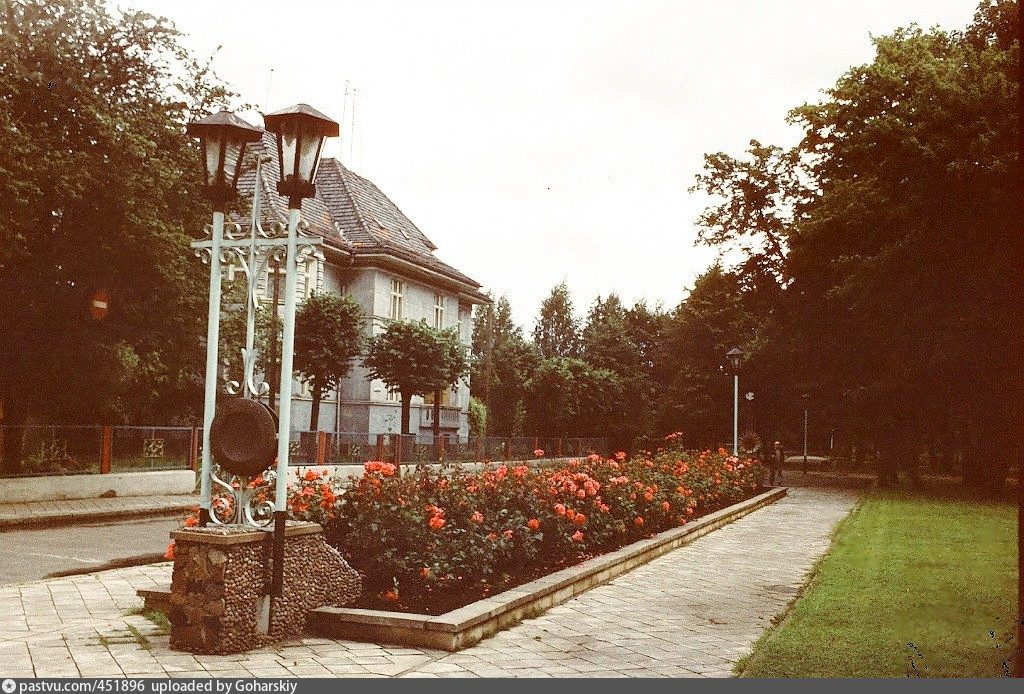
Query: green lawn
x=914, y=585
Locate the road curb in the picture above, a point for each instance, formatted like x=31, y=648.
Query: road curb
x=83, y=517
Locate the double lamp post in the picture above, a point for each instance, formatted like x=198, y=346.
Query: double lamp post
x=300, y=133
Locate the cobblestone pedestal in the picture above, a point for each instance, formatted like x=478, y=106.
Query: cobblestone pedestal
x=219, y=599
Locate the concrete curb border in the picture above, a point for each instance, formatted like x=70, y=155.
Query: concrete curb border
x=97, y=516
x=461, y=628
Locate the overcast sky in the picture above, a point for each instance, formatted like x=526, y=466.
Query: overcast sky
x=540, y=141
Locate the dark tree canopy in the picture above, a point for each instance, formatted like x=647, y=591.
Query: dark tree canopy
x=556, y=333
x=100, y=189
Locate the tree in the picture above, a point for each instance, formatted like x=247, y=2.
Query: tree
x=758, y=199
x=568, y=397
x=328, y=337
x=415, y=359
x=503, y=362
x=899, y=209
x=556, y=333
x=100, y=187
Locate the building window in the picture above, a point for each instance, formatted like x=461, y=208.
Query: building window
x=439, y=311
x=397, y=299
x=394, y=395
x=310, y=275
x=278, y=273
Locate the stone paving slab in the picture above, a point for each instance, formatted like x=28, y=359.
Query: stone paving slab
x=691, y=613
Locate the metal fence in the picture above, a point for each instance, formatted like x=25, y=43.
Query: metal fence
x=82, y=450
x=341, y=448
x=93, y=450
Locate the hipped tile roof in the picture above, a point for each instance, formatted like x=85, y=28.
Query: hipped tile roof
x=349, y=212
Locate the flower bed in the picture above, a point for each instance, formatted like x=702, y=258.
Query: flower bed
x=434, y=540
x=428, y=542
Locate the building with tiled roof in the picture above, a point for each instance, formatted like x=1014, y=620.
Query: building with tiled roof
x=373, y=253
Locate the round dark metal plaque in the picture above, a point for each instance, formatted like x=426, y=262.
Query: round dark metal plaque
x=243, y=436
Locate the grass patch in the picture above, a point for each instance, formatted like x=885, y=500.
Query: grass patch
x=915, y=585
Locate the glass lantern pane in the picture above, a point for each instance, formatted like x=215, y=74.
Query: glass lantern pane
x=289, y=140
x=232, y=159
x=309, y=147
x=211, y=144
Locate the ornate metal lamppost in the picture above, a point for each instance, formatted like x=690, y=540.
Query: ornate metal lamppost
x=223, y=139
x=735, y=354
x=301, y=131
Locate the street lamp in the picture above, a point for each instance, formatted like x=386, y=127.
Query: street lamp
x=734, y=355
x=301, y=131
x=223, y=138
x=805, y=398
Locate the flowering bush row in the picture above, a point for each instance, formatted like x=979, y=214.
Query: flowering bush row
x=422, y=540
x=419, y=537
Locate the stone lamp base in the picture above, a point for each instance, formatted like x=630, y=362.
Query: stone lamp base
x=219, y=600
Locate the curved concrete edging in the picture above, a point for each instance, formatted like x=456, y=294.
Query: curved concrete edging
x=467, y=625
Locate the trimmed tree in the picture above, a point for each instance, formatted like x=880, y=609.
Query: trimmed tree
x=328, y=337
x=415, y=359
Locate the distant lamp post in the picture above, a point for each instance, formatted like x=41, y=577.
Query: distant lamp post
x=805, y=398
x=735, y=354
x=301, y=131
x=223, y=138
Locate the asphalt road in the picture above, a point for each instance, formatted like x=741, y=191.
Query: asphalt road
x=35, y=553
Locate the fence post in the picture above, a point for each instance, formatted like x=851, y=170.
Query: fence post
x=193, y=449
x=398, y=449
x=106, y=442
x=559, y=448
x=380, y=447
x=321, y=446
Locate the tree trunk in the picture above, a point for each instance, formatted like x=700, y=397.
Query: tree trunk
x=437, y=414
x=314, y=410
x=406, y=408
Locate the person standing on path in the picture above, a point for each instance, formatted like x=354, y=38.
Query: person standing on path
x=775, y=464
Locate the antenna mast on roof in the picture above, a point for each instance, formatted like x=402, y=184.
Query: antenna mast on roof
x=266, y=99
x=352, y=134
x=344, y=113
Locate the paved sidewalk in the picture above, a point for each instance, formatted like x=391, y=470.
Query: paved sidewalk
x=692, y=612
x=64, y=512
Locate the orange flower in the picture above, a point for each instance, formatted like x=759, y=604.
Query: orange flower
x=533, y=524
x=311, y=475
x=390, y=595
x=649, y=496
x=191, y=521
x=508, y=534
x=538, y=453
x=665, y=506
x=577, y=536
x=169, y=554
x=580, y=519
x=560, y=509
x=721, y=451
x=436, y=522
x=477, y=517
x=620, y=456
x=639, y=521
x=425, y=572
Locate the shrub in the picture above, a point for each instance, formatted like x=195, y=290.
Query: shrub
x=419, y=538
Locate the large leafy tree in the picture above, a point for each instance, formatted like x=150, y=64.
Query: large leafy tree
x=556, y=333
x=899, y=209
x=328, y=337
x=100, y=188
x=415, y=359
